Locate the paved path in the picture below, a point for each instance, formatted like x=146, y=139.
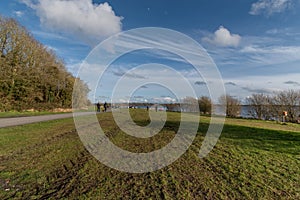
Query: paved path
x=5, y=122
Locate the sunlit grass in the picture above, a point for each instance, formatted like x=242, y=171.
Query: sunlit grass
x=252, y=160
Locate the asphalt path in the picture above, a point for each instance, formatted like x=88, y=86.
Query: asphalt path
x=15, y=121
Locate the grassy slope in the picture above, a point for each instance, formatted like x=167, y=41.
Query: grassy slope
x=249, y=161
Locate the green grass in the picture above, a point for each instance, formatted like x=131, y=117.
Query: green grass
x=252, y=160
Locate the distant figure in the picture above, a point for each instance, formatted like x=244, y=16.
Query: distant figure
x=105, y=107
x=156, y=108
x=98, y=107
x=147, y=108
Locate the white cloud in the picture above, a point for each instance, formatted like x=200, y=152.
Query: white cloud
x=257, y=52
x=89, y=22
x=223, y=37
x=246, y=85
x=18, y=13
x=273, y=54
x=270, y=7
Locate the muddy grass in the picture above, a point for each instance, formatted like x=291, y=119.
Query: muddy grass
x=48, y=161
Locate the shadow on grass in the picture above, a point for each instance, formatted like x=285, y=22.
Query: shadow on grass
x=258, y=138
x=251, y=138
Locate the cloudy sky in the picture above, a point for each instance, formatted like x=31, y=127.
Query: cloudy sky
x=255, y=44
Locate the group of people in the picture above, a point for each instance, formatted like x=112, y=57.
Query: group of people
x=102, y=108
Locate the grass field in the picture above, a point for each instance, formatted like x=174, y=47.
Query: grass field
x=252, y=160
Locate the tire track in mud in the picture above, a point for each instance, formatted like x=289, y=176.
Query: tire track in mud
x=65, y=181
x=64, y=176
x=46, y=141
x=61, y=181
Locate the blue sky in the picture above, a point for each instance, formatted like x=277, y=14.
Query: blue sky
x=254, y=43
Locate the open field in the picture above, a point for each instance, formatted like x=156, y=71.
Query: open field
x=252, y=160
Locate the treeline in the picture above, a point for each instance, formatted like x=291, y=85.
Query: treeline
x=188, y=104
x=206, y=106
x=284, y=105
x=32, y=77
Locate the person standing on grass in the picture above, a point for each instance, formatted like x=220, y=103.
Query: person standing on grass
x=105, y=107
x=98, y=107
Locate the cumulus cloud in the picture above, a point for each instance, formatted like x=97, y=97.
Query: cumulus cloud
x=223, y=37
x=89, y=22
x=269, y=7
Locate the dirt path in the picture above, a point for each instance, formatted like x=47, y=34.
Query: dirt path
x=6, y=122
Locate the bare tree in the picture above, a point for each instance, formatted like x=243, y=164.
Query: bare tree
x=190, y=104
x=288, y=101
x=260, y=107
x=233, y=105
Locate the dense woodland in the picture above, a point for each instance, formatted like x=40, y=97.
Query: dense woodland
x=32, y=77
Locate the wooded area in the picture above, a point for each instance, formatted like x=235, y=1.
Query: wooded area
x=32, y=77
x=283, y=105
